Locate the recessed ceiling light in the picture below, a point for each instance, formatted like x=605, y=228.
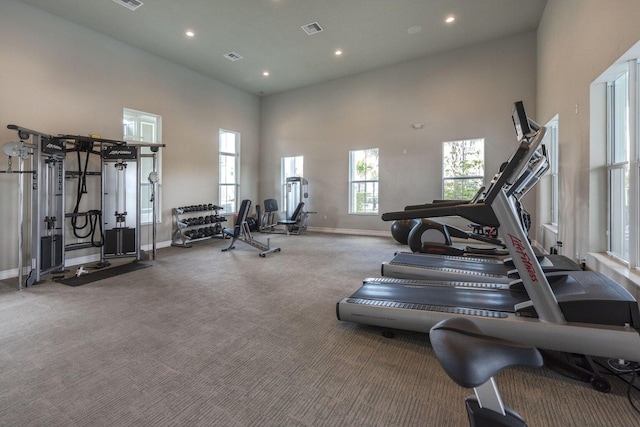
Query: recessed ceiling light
x=189, y=33
x=338, y=52
x=265, y=73
x=450, y=19
x=414, y=30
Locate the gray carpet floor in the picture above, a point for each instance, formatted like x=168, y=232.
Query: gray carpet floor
x=211, y=338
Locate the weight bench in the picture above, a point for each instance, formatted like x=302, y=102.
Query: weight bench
x=241, y=232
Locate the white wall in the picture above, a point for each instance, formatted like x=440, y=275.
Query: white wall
x=466, y=93
x=59, y=78
x=577, y=41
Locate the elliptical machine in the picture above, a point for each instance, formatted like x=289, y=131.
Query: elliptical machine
x=434, y=237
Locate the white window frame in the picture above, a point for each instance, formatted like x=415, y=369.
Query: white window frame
x=134, y=123
x=229, y=205
x=369, y=182
x=553, y=175
x=450, y=175
x=623, y=166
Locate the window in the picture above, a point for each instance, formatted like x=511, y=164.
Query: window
x=139, y=126
x=363, y=181
x=291, y=166
x=229, y=155
x=551, y=142
x=462, y=168
x=618, y=164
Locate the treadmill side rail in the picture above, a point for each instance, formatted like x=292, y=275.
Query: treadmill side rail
x=580, y=338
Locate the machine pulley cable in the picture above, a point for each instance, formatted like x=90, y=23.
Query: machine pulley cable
x=93, y=218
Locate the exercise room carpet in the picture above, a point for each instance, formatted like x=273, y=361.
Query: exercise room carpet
x=211, y=338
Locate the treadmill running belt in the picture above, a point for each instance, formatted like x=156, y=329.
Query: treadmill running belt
x=451, y=263
x=477, y=266
x=445, y=296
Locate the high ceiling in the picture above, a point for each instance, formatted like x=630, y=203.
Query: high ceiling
x=267, y=34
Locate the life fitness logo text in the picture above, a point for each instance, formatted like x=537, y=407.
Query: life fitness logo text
x=517, y=243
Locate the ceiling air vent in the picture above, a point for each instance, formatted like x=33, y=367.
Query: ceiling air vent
x=312, y=28
x=129, y=4
x=232, y=56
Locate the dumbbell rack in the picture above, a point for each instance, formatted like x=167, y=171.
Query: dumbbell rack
x=195, y=223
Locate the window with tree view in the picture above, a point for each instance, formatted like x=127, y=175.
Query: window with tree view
x=462, y=168
x=363, y=181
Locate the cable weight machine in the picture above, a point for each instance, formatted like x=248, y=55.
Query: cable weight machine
x=115, y=226
x=120, y=202
x=296, y=191
x=47, y=155
x=42, y=220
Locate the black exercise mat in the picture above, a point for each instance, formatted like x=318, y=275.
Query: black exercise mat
x=103, y=274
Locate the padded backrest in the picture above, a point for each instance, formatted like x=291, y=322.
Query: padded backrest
x=270, y=205
x=296, y=213
x=243, y=213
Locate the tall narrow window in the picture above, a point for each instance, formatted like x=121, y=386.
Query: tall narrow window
x=551, y=141
x=363, y=181
x=619, y=123
x=462, y=168
x=139, y=126
x=618, y=165
x=291, y=166
x=229, y=156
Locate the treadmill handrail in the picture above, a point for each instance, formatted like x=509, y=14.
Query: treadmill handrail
x=509, y=172
x=480, y=213
x=538, y=165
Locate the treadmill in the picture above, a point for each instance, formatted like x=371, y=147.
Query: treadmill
x=579, y=312
x=411, y=265
x=490, y=269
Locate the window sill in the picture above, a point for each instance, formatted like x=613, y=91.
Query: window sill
x=625, y=276
x=551, y=227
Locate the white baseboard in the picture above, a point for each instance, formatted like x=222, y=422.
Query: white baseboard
x=352, y=231
x=8, y=274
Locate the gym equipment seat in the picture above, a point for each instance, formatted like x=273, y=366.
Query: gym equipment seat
x=297, y=224
x=472, y=359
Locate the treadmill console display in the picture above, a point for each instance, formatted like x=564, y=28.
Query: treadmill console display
x=520, y=120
